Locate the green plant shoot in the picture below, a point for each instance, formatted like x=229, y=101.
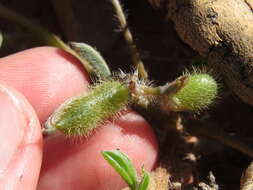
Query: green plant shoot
x=145, y=181
x=125, y=168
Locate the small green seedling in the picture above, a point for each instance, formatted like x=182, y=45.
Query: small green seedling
x=125, y=168
x=80, y=115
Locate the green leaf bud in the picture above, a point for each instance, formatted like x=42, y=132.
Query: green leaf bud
x=198, y=93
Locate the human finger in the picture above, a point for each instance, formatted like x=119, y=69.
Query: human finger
x=20, y=142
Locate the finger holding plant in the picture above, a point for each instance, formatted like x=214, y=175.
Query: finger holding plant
x=110, y=95
x=63, y=158
x=80, y=115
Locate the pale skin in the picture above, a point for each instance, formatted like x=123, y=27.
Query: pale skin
x=32, y=84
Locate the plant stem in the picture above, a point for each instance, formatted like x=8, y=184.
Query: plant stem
x=40, y=33
x=151, y=91
x=167, y=89
x=142, y=73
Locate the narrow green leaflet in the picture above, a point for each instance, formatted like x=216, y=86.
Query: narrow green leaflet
x=123, y=166
x=144, y=182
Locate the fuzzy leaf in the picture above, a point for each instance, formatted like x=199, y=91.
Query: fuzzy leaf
x=80, y=115
x=197, y=94
x=93, y=57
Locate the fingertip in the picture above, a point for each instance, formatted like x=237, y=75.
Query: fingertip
x=20, y=141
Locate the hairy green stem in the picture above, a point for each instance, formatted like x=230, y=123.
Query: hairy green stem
x=167, y=89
